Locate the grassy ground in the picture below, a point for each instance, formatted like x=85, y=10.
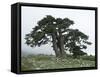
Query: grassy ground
x=37, y=62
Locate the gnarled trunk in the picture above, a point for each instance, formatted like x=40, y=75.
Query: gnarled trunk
x=61, y=41
x=55, y=47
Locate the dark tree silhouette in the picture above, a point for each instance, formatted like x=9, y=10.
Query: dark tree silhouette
x=57, y=31
x=75, y=41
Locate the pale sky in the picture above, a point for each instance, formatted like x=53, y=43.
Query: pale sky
x=84, y=21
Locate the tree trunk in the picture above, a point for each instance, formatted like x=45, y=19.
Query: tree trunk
x=61, y=41
x=54, y=40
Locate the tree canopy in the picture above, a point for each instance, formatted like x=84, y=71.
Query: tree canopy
x=58, y=31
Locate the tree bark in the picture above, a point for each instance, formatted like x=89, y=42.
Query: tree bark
x=55, y=47
x=61, y=41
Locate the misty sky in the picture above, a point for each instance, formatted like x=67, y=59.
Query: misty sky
x=84, y=21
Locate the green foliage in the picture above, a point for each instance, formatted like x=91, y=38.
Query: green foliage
x=75, y=41
x=65, y=38
x=46, y=27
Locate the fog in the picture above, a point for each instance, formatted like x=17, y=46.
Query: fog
x=84, y=21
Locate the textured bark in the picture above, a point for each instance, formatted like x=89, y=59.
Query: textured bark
x=61, y=41
x=54, y=40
